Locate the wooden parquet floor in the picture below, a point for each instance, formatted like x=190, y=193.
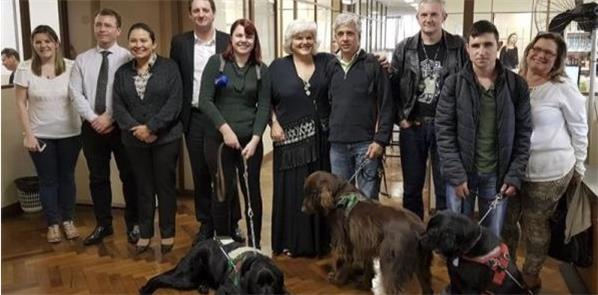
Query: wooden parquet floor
x=30, y=265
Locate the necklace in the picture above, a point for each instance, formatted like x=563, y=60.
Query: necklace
x=306, y=86
x=426, y=53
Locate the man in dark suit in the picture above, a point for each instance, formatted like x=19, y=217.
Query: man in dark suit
x=191, y=51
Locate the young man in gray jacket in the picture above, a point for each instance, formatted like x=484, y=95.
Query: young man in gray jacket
x=483, y=126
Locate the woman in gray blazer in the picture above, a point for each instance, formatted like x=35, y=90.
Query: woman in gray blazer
x=147, y=105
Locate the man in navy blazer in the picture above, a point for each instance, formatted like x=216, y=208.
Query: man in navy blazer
x=191, y=51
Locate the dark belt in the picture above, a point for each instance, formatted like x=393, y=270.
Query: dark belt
x=423, y=120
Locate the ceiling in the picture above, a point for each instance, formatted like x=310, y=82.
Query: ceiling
x=397, y=7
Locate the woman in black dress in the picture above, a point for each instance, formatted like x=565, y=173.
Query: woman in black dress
x=299, y=131
x=509, y=55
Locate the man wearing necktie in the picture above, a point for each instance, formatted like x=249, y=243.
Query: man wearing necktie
x=91, y=90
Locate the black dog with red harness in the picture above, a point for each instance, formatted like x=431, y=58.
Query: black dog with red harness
x=477, y=261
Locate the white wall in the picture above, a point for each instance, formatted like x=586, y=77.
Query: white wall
x=44, y=12
x=17, y=163
x=15, y=159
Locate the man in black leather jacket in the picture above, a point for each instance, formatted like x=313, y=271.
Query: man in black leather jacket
x=420, y=65
x=483, y=126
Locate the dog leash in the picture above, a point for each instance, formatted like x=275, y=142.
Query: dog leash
x=229, y=261
x=249, y=207
x=220, y=185
x=519, y=284
x=221, y=191
x=359, y=168
x=498, y=198
x=221, y=246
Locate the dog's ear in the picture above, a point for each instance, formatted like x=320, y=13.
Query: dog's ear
x=244, y=276
x=247, y=263
x=326, y=198
x=449, y=244
x=431, y=237
x=329, y=188
x=427, y=239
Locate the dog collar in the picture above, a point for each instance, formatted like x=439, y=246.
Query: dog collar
x=473, y=243
x=348, y=201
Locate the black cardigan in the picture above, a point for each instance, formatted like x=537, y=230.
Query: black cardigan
x=361, y=104
x=159, y=109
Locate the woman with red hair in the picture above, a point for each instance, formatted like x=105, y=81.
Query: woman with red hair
x=235, y=96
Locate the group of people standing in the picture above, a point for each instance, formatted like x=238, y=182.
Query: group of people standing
x=452, y=99
x=492, y=134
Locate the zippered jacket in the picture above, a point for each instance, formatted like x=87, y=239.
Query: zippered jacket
x=406, y=72
x=458, y=117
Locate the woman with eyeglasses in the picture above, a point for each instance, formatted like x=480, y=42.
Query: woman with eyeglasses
x=51, y=129
x=558, y=150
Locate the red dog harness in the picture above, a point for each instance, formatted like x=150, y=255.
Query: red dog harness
x=498, y=260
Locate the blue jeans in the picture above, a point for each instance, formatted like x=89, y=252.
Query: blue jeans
x=345, y=159
x=484, y=186
x=55, y=167
x=416, y=142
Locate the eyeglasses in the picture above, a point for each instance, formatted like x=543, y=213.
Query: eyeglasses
x=546, y=52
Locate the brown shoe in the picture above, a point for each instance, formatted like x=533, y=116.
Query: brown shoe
x=54, y=235
x=70, y=230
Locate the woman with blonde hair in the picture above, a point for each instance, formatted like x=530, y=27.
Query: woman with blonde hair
x=300, y=111
x=51, y=129
x=558, y=150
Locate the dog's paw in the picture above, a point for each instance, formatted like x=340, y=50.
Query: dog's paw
x=146, y=290
x=337, y=278
x=203, y=289
x=331, y=276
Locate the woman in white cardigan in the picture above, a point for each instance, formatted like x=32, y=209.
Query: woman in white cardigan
x=558, y=150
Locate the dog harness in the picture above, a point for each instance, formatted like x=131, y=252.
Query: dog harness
x=235, y=258
x=498, y=260
x=348, y=201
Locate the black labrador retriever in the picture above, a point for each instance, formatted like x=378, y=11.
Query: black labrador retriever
x=223, y=265
x=477, y=261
